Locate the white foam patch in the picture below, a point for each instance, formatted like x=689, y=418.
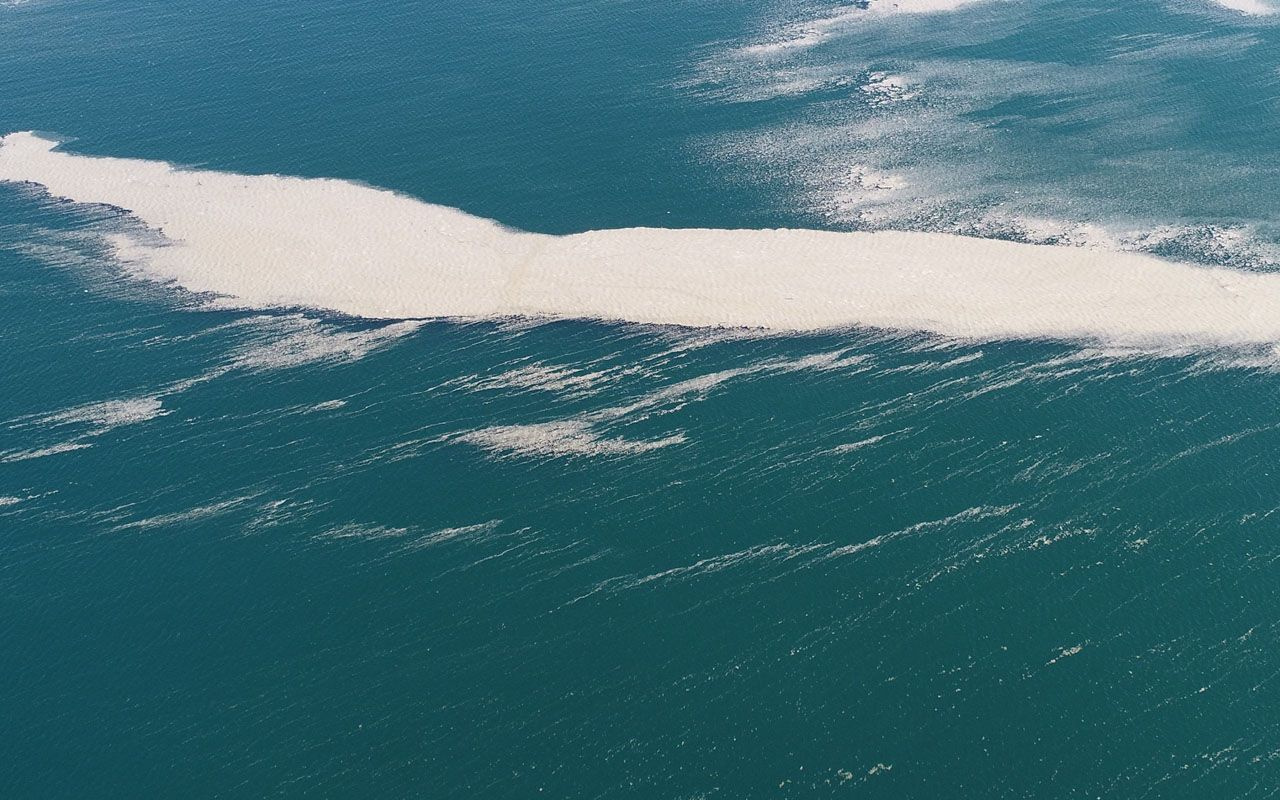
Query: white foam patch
x=865, y=190
x=918, y=6
x=947, y=164
x=1066, y=652
x=803, y=35
x=884, y=89
x=10, y=501
x=361, y=530
x=572, y=437
x=407, y=539
x=276, y=241
x=850, y=447
x=452, y=534
x=327, y=405
x=13, y=456
x=298, y=340
x=542, y=377
x=1256, y=8
x=934, y=366
x=95, y=419
x=110, y=413
x=975, y=513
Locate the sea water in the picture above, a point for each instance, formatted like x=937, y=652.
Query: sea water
x=257, y=545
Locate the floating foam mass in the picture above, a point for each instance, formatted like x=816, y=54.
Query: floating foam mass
x=287, y=242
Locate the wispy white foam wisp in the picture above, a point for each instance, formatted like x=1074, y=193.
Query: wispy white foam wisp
x=277, y=241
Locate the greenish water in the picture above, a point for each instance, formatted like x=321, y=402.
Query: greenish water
x=280, y=553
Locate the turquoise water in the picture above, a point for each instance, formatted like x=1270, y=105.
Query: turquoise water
x=284, y=553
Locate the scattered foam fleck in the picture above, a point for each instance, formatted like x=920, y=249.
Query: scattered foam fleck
x=1067, y=652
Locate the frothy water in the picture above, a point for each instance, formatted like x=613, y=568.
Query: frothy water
x=1254, y=7
x=266, y=241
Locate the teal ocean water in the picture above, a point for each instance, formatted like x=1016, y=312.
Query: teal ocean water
x=281, y=552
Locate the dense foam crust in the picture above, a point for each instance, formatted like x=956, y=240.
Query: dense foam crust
x=279, y=241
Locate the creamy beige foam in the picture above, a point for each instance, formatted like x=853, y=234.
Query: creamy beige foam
x=278, y=241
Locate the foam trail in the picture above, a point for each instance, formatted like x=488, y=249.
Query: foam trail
x=278, y=241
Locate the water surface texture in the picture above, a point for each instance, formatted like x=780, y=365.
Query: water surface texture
x=259, y=549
